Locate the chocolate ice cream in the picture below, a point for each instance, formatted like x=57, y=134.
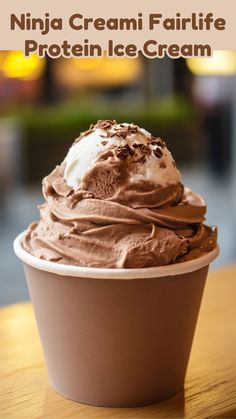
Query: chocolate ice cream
x=117, y=201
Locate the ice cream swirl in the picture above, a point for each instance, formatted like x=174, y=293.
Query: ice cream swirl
x=126, y=225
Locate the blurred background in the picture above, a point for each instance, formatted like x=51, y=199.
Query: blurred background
x=44, y=104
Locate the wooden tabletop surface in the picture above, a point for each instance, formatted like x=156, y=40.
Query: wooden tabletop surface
x=210, y=389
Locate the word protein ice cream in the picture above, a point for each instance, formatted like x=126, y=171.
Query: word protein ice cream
x=117, y=201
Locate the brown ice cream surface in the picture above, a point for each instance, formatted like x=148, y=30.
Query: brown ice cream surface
x=113, y=223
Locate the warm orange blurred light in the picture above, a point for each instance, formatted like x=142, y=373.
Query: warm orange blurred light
x=13, y=64
x=97, y=72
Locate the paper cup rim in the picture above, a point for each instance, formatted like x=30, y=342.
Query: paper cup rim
x=112, y=273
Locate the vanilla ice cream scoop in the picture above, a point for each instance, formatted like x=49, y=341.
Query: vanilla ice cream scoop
x=147, y=156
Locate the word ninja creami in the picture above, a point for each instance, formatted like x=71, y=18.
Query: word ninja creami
x=155, y=21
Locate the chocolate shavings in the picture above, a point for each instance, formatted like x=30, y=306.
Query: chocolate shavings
x=158, y=153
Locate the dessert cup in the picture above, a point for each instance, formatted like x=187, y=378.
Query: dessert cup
x=116, y=337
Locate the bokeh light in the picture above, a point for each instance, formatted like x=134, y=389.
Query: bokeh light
x=97, y=72
x=14, y=64
x=221, y=63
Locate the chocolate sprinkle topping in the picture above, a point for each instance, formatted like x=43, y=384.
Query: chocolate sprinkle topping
x=158, y=153
x=141, y=160
x=106, y=124
x=131, y=151
x=124, y=152
x=121, y=155
x=122, y=131
x=162, y=165
x=143, y=148
x=133, y=129
x=157, y=141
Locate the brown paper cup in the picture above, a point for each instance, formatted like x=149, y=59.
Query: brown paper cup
x=116, y=337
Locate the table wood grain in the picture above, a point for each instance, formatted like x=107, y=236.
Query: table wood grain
x=210, y=389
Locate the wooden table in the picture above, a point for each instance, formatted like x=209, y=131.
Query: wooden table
x=210, y=390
